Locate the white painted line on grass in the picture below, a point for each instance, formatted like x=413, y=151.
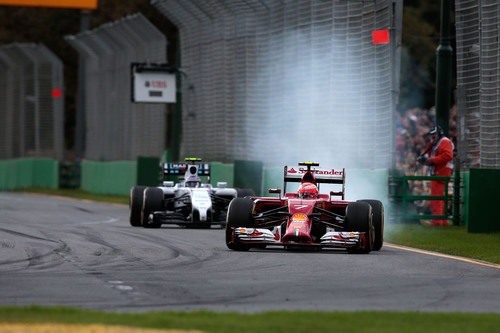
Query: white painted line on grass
x=436, y=254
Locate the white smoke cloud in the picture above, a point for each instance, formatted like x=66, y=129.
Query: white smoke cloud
x=322, y=100
x=318, y=102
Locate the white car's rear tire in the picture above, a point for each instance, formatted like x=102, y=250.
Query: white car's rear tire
x=152, y=201
x=135, y=205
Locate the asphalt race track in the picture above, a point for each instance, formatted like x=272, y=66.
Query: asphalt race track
x=56, y=251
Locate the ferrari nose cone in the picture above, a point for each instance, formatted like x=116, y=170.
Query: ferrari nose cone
x=298, y=229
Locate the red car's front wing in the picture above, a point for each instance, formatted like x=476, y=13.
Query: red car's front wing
x=253, y=237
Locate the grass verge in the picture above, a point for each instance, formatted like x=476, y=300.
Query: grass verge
x=79, y=194
x=277, y=321
x=454, y=240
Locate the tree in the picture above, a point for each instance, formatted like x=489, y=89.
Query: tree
x=421, y=20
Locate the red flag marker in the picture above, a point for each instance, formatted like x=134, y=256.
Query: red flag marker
x=380, y=37
x=56, y=93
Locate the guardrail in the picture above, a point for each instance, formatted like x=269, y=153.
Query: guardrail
x=399, y=192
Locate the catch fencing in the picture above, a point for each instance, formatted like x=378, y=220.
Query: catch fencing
x=283, y=81
x=478, y=82
x=31, y=102
x=116, y=128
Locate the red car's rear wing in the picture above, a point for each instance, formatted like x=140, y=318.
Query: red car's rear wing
x=321, y=176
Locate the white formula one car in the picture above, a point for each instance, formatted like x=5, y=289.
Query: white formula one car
x=189, y=203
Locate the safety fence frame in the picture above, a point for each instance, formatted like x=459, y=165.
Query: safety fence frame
x=116, y=128
x=404, y=198
x=478, y=82
x=31, y=102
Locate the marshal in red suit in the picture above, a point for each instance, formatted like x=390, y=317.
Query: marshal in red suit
x=441, y=162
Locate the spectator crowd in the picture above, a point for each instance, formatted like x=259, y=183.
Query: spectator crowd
x=411, y=126
x=410, y=143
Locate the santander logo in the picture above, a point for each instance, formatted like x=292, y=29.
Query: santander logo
x=332, y=172
x=292, y=170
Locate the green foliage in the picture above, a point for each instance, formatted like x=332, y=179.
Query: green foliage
x=276, y=321
x=421, y=31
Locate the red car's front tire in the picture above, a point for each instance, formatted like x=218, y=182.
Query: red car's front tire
x=239, y=214
x=358, y=217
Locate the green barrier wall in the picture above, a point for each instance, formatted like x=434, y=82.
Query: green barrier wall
x=166, y=156
x=272, y=178
x=15, y=174
x=221, y=172
x=148, y=171
x=46, y=173
x=29, y=172
x=483, y=200
x=116, y=177
x=248, y=174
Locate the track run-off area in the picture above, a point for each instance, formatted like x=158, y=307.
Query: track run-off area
x=57, y=251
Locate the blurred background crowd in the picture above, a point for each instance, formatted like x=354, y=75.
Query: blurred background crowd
x=411, y=126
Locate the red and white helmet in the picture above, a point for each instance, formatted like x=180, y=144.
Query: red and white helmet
x=307, y=190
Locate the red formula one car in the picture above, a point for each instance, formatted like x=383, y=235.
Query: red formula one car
x=306, y=218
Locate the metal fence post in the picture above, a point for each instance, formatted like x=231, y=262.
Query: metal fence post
x=55, y=86
x=7, y=105
x=81, y=106
x=34, y=98
x=456, y=193
x=444, y=69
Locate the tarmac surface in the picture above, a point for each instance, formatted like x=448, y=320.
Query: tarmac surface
x=56, y=251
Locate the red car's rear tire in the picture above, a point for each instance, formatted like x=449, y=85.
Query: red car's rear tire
x=378, y=223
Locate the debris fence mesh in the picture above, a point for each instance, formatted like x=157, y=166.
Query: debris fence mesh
x=288, y=80
x=478, y=82
x=31, y=102
x=116, y=128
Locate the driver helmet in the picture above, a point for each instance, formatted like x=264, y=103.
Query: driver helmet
x=193, y=181
x=307, y=190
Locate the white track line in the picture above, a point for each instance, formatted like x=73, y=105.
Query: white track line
x=110, y=220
